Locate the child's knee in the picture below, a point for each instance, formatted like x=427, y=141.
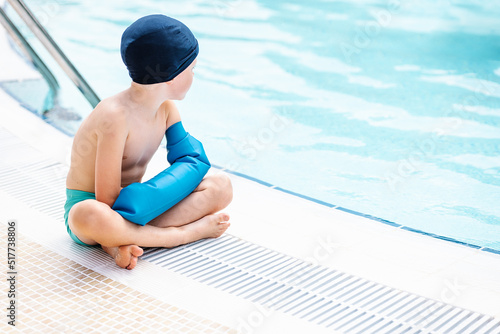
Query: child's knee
x=223, y=190
x=86, y=213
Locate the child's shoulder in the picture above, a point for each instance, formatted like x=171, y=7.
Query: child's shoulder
x=168, y=105
x=111, y=105
x=109, y=113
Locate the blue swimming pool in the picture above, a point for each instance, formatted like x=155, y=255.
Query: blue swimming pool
x=390, y=108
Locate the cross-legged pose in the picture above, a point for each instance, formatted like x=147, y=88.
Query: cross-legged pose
x=107, y=202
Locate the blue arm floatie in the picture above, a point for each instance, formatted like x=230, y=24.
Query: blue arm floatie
x=141, y=202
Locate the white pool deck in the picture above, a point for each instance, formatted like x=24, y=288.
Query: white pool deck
x=436, y=269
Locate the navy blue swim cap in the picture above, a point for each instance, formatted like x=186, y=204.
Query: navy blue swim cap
x=156, y=48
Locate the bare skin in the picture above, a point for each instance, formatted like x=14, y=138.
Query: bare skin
x=211, y=226
x=111, y=150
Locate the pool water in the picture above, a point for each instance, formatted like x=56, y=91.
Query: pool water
x=390, y=108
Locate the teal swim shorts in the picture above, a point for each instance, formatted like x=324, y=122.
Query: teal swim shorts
x=72, y=197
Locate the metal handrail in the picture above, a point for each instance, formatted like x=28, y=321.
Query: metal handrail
x=19, y=39
x=54, y=50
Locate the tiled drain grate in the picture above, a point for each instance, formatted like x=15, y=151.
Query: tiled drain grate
x=327, y=297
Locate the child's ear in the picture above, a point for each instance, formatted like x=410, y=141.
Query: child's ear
x=170, y=82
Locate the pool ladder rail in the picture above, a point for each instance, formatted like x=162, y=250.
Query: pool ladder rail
x=48, y=42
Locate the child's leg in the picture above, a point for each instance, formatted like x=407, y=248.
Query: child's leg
x=94, y=222
x=213, y=194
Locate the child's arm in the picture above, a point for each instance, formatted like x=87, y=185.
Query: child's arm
x=173, y=114
x=111, y=138
x=181, y=144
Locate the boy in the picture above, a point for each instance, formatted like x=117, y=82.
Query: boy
x=114, y=144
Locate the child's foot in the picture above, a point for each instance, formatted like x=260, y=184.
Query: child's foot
x=211, y=226
x=125, y=256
